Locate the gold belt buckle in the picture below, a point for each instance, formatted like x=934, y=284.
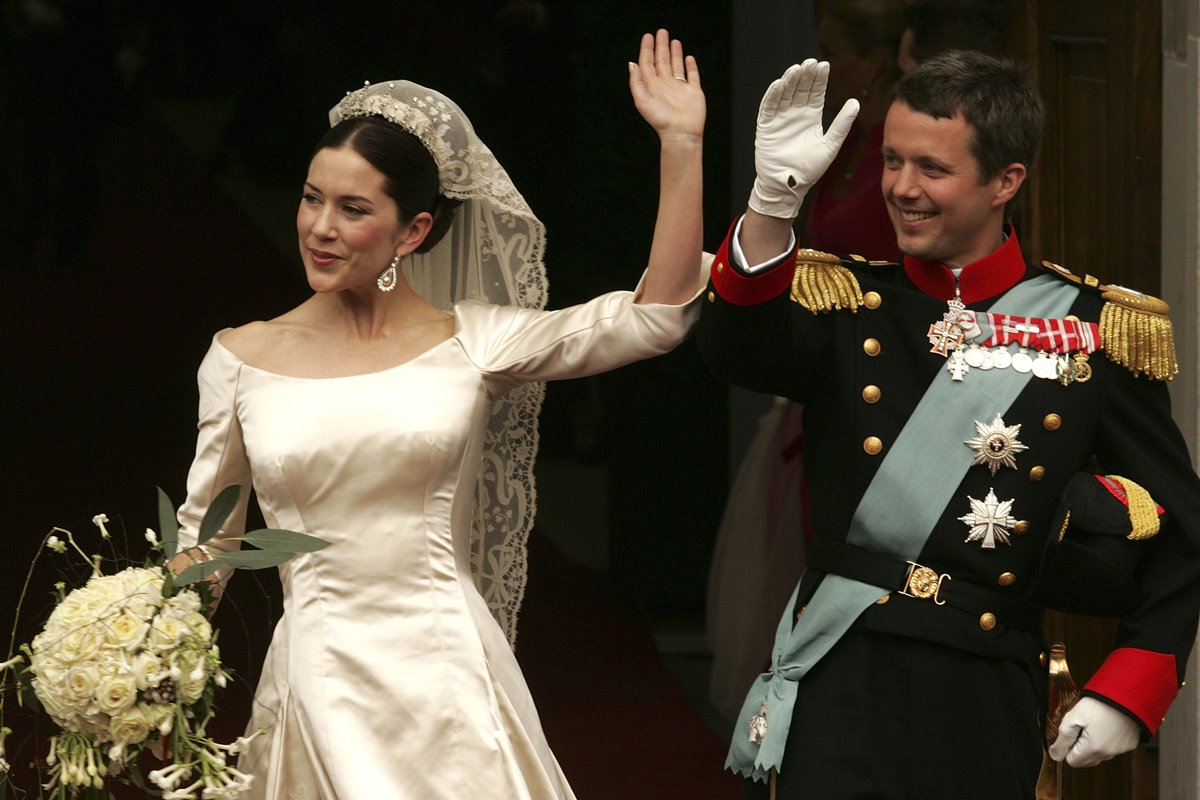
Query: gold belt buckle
x=923, y=583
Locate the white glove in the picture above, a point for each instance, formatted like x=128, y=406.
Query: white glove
x=790, y=150
x=1093, y=731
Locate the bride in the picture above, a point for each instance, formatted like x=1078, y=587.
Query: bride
x=394, y=415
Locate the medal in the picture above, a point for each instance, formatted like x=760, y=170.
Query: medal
x=758, y=725
x=990, y=521
x=1021, y=362
x=1045, y=366
x=947, y=334
x=957, y=365
x=1001, y=358
x=996, y=445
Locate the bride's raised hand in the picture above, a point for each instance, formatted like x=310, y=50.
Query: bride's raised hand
x=666, y=87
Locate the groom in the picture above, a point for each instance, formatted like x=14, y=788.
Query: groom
x=979, y=447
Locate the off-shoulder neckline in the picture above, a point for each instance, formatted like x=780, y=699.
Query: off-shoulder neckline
x=216, y=341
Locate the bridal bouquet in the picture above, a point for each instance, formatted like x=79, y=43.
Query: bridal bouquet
x=129, y=662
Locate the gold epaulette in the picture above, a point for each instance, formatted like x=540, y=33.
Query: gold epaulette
x=822, y=283
x=1134, y=328
x=1143, y=511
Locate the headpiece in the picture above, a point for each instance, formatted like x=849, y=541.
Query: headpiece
x=493, y=252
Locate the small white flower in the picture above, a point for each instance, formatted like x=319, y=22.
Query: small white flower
x=99, y=521
x=151, y=537
x=56, y=544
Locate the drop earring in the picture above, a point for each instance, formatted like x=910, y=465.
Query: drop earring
x=388, y=278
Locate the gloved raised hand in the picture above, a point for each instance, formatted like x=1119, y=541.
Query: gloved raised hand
x=791, y=151
x=1092, y=732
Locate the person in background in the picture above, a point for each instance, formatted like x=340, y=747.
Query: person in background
x=935, y=26
x=764, y=528
x=845, y=212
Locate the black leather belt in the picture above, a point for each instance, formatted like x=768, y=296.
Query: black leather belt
x=920, y=582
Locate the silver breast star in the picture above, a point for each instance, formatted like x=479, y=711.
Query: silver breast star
x=995, y=445
x=989, y=520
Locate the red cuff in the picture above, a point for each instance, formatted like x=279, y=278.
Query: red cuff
x=1140, y=681
x=748, y=290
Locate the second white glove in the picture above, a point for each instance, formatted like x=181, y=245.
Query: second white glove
x=791, y=151
x=1092, y=732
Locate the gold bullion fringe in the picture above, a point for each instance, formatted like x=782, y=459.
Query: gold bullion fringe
x=1143, y=511
x=821, y=283
x=1140, y=340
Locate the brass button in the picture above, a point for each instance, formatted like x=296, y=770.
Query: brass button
x=883, y=599
x=1071, y=318
x=1042, y=658
x=1037, y=473
x=872, y=300
x=1006, y=579
x=800, y=613
x=871, y=394
x=871, y=347
x=987, y=620
x=1021, y=527
x=720, y=267
x=1052, y=422
x=873, y=445
x=711, y=297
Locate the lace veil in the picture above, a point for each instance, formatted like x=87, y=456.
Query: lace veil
x=492, y=252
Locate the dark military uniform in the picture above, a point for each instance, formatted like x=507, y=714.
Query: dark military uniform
x=859, y=375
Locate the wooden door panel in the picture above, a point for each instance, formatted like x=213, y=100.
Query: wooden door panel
x=1093, y=204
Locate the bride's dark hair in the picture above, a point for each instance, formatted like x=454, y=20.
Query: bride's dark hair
x=409, y=171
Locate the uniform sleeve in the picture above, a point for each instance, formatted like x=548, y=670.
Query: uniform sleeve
x=750, y=333
x=220, y=455
x=512, y=345
x=1140, y=441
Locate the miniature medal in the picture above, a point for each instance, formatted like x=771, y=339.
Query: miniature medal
x=996, y=445
x=1021, y=362
x=758, y=725
x=989, y=521
x=1045, y=366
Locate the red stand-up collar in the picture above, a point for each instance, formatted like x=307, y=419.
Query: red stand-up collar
x=989, y=276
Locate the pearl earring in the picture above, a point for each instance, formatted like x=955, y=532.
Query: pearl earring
x=388, y=279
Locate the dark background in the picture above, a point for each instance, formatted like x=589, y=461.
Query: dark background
x=125, y=249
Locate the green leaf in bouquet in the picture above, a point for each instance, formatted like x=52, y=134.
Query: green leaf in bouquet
x=197, y=572
x=254, y=559
x=168, y=524
x=218, y=511
x=279, y=539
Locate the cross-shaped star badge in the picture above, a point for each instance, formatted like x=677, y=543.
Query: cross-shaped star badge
x=989, y=521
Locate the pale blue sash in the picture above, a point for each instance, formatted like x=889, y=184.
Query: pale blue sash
x=895, y=516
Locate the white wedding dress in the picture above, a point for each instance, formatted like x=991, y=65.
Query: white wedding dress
x=387, y=676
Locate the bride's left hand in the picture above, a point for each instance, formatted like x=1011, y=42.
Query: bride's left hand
x=666, y=87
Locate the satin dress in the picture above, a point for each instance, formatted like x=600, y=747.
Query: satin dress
x=387, y=676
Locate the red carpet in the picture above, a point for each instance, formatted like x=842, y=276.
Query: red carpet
x=616, y=719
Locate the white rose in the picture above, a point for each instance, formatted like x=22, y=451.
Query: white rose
x=81, y=681
x=194, y=676
x=126, y=631
x=166, y=632
x=58, y=705
x=200, y=627
x=185, y=602
x=79, y=644
x=116, y=692
x=132, y=725
x=148, y=670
